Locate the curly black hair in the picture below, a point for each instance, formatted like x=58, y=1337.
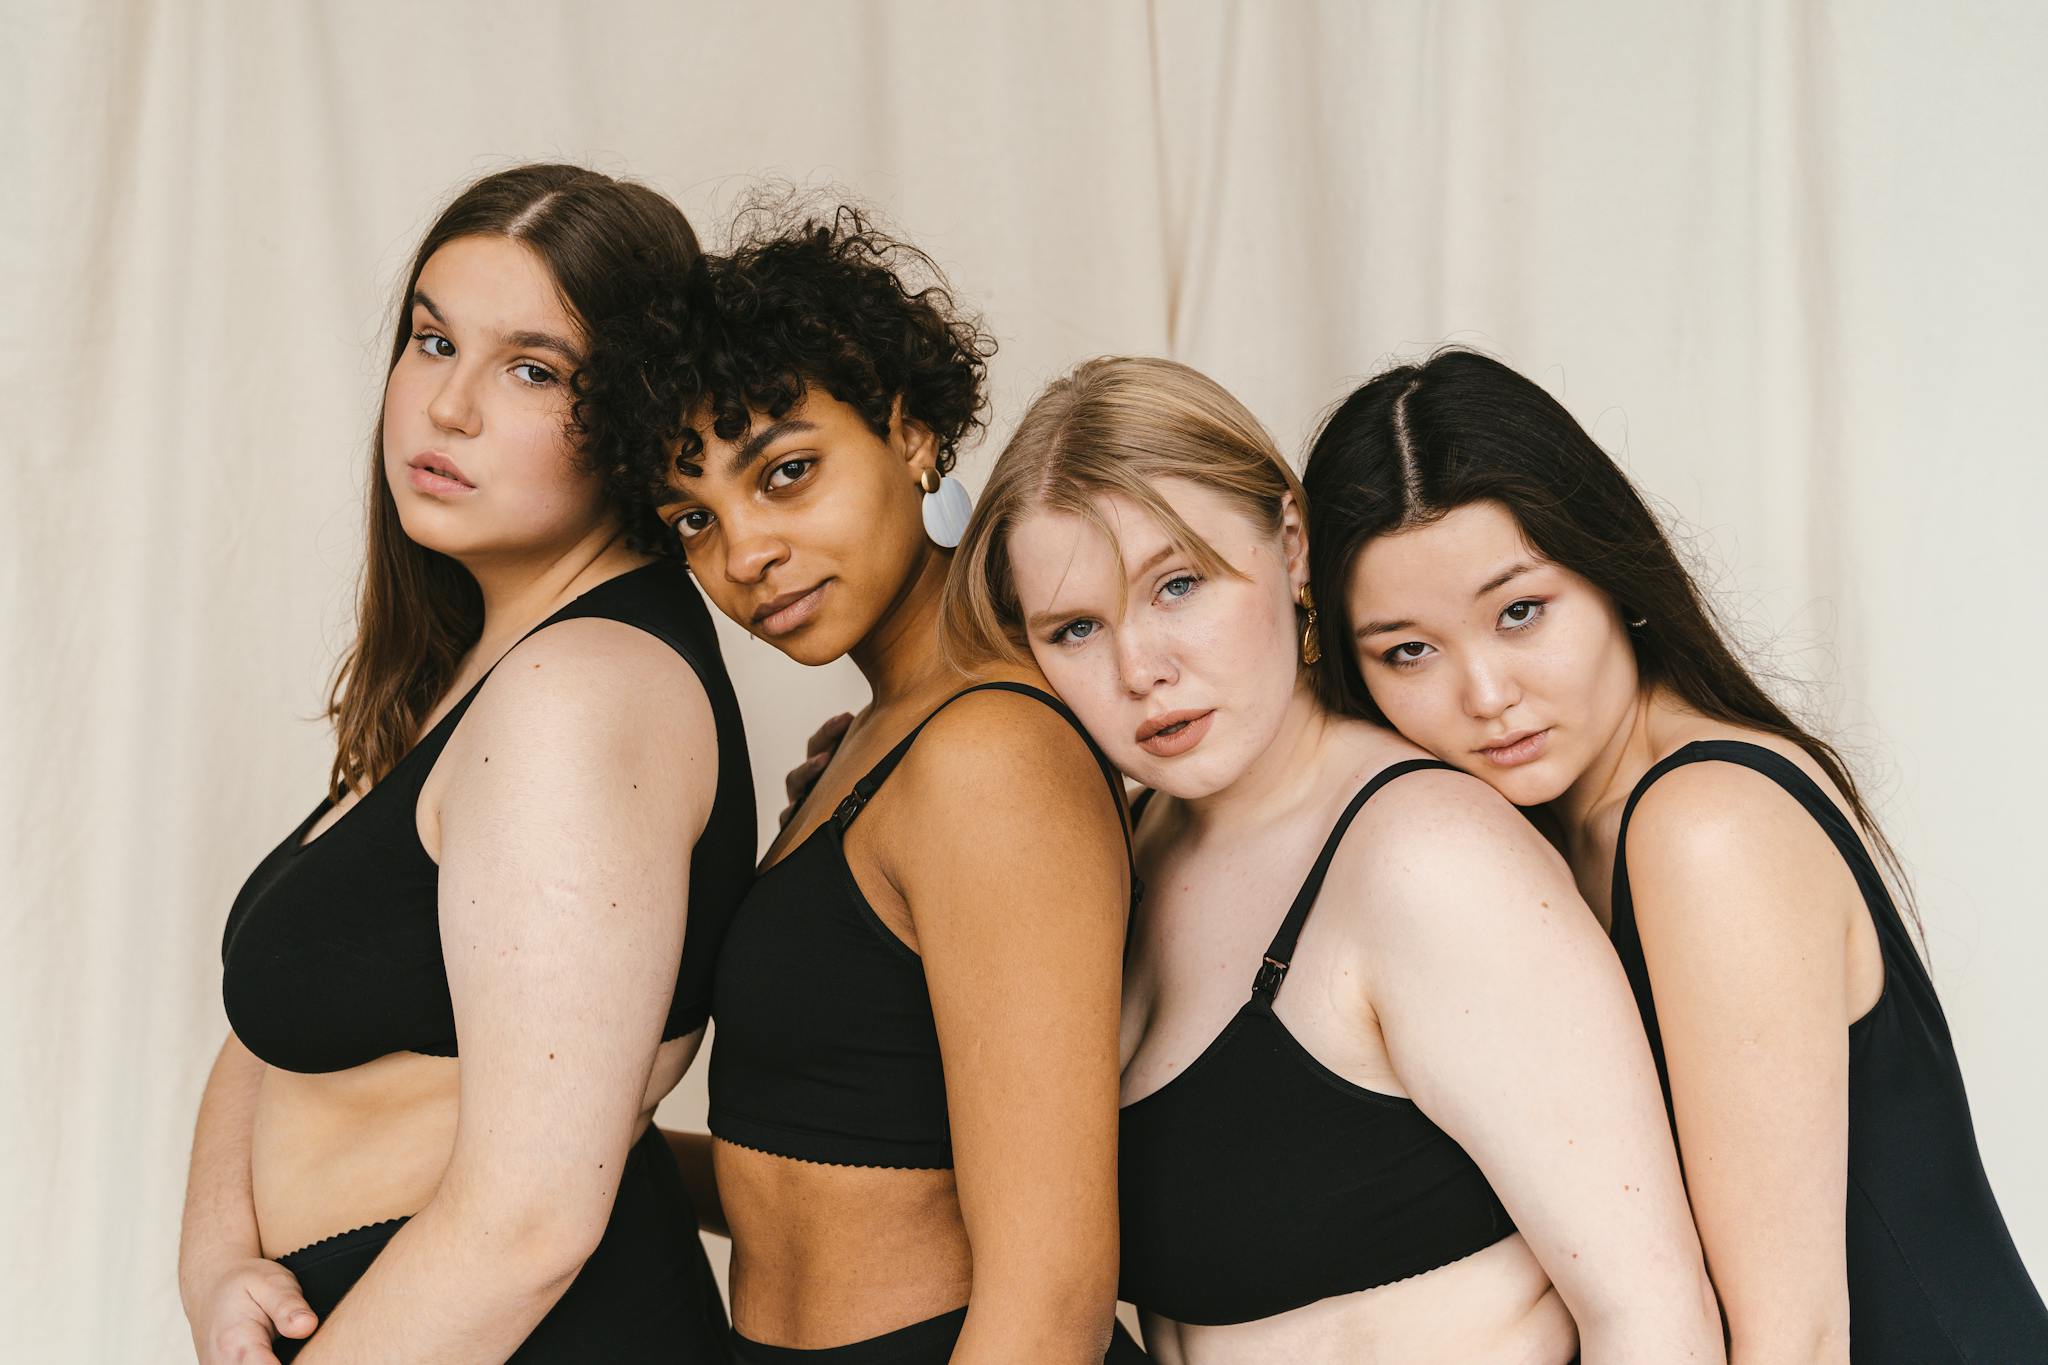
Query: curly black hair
x=801, y=299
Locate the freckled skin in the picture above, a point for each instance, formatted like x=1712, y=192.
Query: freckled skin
x=1226, y=643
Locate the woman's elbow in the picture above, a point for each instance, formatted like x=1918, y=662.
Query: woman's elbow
x=535, y=1246
x=1065, y=1309
x=1818, y=1338
x=1675, y=1321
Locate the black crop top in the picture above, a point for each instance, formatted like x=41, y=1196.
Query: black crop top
x=827, y=1050
x=332, y=955
x=1259, y=1180
x=1933, y=1273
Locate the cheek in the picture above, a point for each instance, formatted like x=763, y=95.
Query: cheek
x=1424, y=709
x=1086, y=680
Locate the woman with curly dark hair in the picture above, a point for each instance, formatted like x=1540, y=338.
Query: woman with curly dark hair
x=539, y=819
x=913, y=1092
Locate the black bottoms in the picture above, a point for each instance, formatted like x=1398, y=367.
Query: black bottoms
x=646, y=1294
x=922, y=1343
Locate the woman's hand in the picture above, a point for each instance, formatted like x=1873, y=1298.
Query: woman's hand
x=817, y=757
x=241, y=1306
x=233, y=1298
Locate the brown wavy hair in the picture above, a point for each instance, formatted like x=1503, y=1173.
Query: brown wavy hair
x=608, y=244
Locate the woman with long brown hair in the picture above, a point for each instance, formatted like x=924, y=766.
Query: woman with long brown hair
x=459, y=987
x=1499, y=592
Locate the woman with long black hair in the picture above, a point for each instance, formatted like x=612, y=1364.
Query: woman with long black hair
x=1500, y=594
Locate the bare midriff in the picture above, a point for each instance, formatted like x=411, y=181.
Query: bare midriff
x=347, y=1149
x=827, y=1255
x=1495, y=1307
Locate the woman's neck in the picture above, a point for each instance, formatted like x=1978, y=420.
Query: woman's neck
x=901, y=657
x=1285, y=775
x=1632, y=750
x=521, y=591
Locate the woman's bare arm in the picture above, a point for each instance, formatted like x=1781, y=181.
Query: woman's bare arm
x=578, y=783
x=1508, y=1020
x=1740, y=899
x=1019, y=909
x=692, y=1155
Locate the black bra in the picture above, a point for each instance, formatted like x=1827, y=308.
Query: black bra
x=332, y=954
x=1258, y=1180
x=827, y=1050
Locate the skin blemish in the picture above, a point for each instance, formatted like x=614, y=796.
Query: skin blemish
x=551, y=1056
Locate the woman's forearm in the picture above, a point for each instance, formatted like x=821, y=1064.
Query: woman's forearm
x=692, y=1153
x=220, y=1212
x=457, y=1282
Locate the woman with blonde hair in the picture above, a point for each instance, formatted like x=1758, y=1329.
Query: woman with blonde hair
x=1384, y=1093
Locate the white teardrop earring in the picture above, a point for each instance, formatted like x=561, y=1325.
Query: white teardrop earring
x=946, y=508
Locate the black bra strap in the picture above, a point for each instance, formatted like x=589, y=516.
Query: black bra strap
x=1280, y=955
x=1788, y=775
x=865, y=789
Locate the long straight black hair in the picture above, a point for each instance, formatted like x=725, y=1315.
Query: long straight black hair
x=1420, y=441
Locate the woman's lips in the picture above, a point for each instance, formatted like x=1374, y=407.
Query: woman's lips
x=431, y=481
x=1526, y=748
x=786, y=613
x=431, y=471
x=1174, y=733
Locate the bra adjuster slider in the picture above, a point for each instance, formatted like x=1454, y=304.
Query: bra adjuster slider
x=1267, y=984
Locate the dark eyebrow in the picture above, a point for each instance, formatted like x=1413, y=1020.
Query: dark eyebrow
x=1506, y=575
x=544, y=341
x=1513, y=571
x=518, y=341
x=762, y=439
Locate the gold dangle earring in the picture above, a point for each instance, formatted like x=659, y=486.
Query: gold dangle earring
x=1311, y=644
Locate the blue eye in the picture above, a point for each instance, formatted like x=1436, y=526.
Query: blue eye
x=1180, y=585
x=427, y=341
x=1073, y=631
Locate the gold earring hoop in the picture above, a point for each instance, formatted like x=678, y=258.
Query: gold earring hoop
x=928, y=481
x=1311, y=643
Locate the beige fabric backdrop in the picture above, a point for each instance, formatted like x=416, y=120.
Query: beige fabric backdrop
x=1782, y=259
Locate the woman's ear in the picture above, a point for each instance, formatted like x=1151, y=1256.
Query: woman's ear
x=1293, y=544
x=913, y=441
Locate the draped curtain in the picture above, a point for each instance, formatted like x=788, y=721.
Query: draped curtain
x=1780, y=258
